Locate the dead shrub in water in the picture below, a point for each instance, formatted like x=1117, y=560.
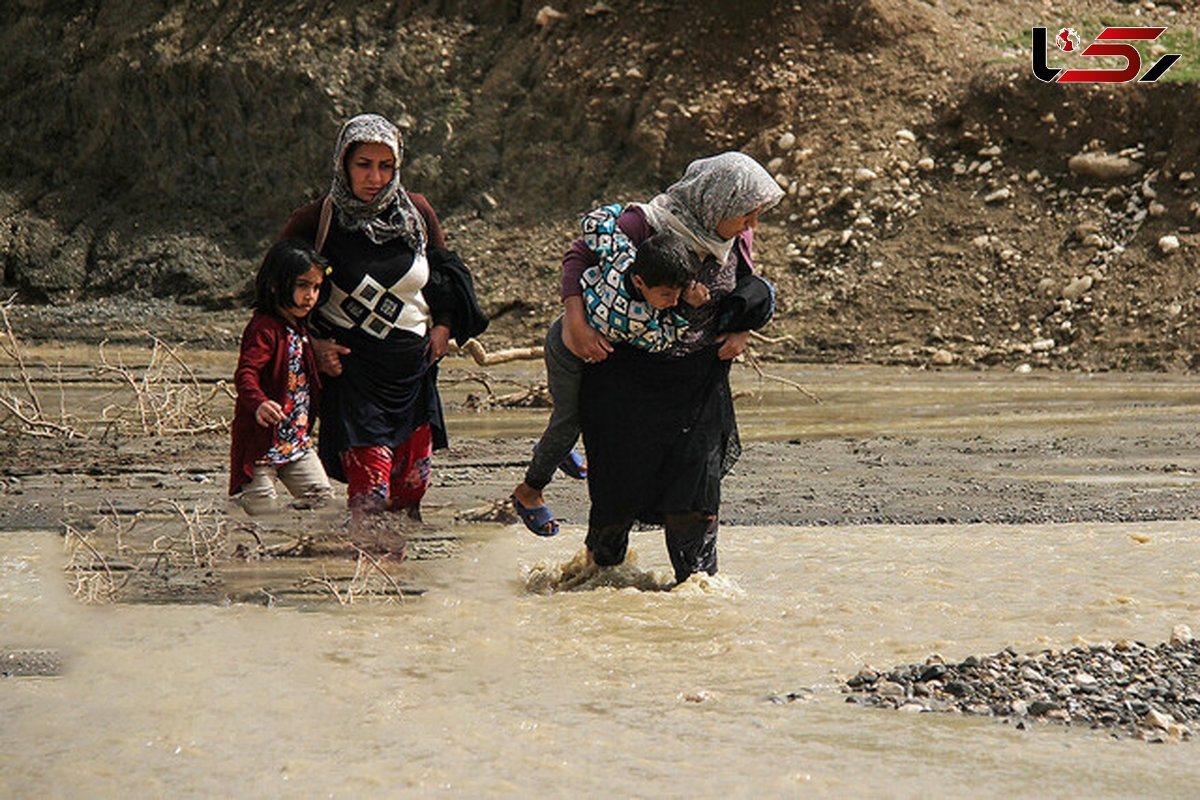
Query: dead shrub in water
x=200, y=545
x=205, y=536
x=93, y=577
x=168, y=398
x=370, y=581
x=27, y=405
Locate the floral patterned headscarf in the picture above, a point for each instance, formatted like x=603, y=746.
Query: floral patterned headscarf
x=390, y=214
x=721, y=187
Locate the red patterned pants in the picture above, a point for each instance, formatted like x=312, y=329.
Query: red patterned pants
x=386, y=478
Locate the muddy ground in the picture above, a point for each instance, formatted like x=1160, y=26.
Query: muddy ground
x=999, y=478
x=153, y=512
x=149, y=152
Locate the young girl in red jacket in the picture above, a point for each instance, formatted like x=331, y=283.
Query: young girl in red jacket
x=278, y=386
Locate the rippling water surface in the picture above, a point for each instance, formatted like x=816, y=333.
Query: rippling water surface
x=483, y=687
x=492, y=684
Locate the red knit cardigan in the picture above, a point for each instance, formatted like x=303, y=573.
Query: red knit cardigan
x=261, y=375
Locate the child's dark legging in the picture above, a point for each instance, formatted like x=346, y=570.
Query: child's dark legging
x=564, y=370
x=691, y=543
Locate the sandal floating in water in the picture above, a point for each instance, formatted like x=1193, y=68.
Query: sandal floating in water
x=536, y=519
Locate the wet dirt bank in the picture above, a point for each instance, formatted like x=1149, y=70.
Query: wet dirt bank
x=885, y=446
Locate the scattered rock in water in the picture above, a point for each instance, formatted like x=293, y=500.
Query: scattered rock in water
x=1149, y=692
x=803, y=695
x=30, y=663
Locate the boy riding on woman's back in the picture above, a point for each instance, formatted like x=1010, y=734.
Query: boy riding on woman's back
x=629, y=296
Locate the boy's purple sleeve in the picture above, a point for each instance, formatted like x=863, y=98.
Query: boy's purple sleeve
x=579, y=256
x=577, y=259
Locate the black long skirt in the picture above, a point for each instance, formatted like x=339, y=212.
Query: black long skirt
x=660, y=434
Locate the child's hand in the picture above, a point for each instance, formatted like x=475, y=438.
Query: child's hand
x=696, y=294
x=268, y=414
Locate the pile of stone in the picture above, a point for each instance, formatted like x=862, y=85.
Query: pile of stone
x=1149, y=692
x=30, y=663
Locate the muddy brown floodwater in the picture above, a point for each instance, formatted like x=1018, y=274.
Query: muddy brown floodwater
x=909, y=513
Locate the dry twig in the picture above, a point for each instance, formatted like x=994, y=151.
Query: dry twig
x=483, y=358
x=377, y=567
x=753, y=362
x=29, y=410
x=206, y=532
x=169, y=401
x=94, y=580
x=758, y=337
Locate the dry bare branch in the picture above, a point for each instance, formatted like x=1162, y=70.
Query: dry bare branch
x=482, y=379
x=483, y=358
x=33, y=423
x=168, y=401
x=536, y=396
x=28, y=411
x=94, y=580
x=120, y=531
x=378, y=567
x=753, y=362
x=758, y=337
x=206, y=531
x=498, y=511
x=328, y=584
x=12, y=346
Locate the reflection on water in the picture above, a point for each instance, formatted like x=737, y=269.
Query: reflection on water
x=875, y=401
x=856, y=401
x=484, y=687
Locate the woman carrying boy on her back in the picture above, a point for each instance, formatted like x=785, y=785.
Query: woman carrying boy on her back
x=628, y=296
x=659, y=426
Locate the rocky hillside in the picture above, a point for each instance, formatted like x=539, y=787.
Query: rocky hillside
x=934, y=213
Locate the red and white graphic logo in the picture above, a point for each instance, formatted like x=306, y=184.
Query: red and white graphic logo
x=1067, y=41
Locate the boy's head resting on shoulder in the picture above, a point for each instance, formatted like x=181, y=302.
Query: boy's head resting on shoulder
x=289, y=280
x=662, y=270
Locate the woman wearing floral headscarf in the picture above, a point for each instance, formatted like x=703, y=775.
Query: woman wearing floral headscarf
x=659, y=429
x=395, y=297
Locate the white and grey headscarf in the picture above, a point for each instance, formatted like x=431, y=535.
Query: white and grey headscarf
x=390, y=214
x=720, y=187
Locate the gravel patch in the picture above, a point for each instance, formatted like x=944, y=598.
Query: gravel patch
x=30, y=663
x=1132, y=689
